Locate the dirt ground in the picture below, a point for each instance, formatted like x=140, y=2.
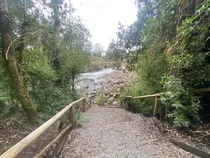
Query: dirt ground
x=115, y=132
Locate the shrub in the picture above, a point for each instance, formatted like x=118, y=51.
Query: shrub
x=101, y=99
x=182, y=105
x=79, y=119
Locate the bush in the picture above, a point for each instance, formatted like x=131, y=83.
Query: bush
x=182, y=105
x=150, y=69
x=79, y=119
x=101, y=99
x=144, y=106
x=9, y=106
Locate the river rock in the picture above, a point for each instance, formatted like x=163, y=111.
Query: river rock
x=115, y=102
x=111, y=99
x=115, y=95
x=93, y=93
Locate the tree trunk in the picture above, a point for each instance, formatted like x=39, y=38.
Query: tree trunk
x=55, y=6
x=22, y=92
x=187, y=8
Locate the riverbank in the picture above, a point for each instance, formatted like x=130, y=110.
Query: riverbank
x=105, y=83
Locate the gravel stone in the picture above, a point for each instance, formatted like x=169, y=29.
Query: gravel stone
x=115, y=132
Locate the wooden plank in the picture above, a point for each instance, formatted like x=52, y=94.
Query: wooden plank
x=21, y=145
x=203, y=90
x=71, y=117
x=52, y=142
x=147, y=96
x=83, y=106
x=130, y=102
x=191, y=149
x=56, y=152
x=132, y=105
x=87, y=103
x=155, y=106
x=160, y=127
x=150, y=96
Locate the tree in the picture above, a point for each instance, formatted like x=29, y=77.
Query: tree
x=98, y=49
x=56, y=7
x=9, y=55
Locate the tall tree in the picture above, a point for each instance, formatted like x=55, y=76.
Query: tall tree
x=9, y=55
x=56, y=7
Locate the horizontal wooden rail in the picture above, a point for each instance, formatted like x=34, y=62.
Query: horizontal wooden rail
x=156, y=105
x=196, y=91
x=147, y=96
x=203, y=90
x=21, y=145
x=52, y=142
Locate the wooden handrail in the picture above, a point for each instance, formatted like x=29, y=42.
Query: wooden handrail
x=202, y=90
x=52, y=142
x=21, y=145
x=196, y=91
x=147, y=96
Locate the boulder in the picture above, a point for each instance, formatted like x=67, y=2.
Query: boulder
x=115, y=102
x=111, y=99
x=115, y=95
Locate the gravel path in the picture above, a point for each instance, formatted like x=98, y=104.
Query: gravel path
x=115, y=132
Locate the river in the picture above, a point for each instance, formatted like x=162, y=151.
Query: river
x=87, y=82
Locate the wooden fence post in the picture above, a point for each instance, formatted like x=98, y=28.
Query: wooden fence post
x=83, y=105
x=132, y=108
x=71, y=117
x=155, y=106
x=129, y=104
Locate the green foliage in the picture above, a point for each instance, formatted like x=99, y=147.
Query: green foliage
x=35, y=37
x=183, y=107
x=192, y=50
x=38, y=63
x=182, y=53
x=48, y=97
x=191, y=68
x=79, y=119
x=73, y=62
x=150, y=69
x=144, y=106
x=101, y=99
x=8, y=105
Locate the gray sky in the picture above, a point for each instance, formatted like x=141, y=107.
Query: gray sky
x=101, y=17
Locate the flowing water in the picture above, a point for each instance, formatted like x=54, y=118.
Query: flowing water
x=87, y=82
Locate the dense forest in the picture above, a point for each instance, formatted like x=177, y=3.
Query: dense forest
x=44, y=46
x=168, y=46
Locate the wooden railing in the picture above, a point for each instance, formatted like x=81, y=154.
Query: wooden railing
x=24, y=143
x=155, y=108
x=180, y=144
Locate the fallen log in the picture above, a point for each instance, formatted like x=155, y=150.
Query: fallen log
x=190, y=149
x=160, y=127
